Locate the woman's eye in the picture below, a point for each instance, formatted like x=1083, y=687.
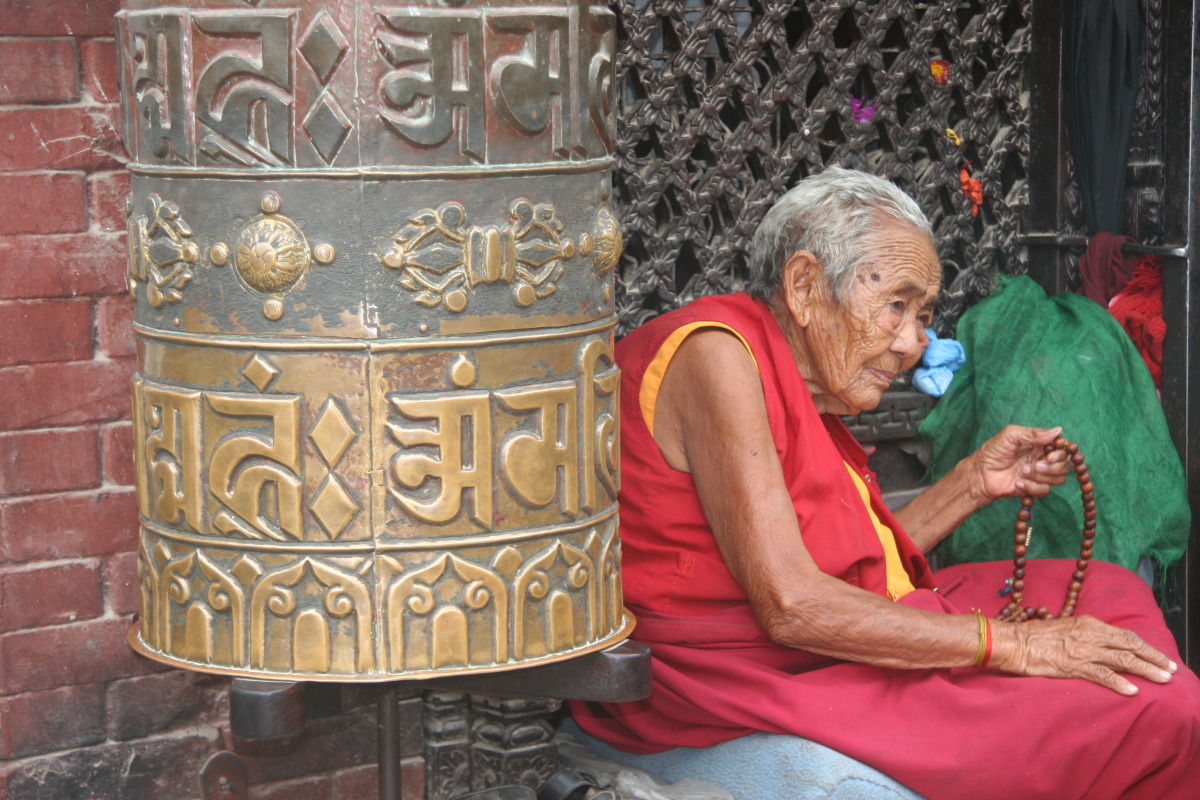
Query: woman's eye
x=899, y=305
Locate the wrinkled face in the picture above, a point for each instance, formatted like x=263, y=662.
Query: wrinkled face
x=856, y=349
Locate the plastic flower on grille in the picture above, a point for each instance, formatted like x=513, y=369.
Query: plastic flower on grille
x=971, y=188
x=940, y=70
x=954, y=137
x=860, y=111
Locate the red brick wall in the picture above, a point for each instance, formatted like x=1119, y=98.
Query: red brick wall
x=82, y=716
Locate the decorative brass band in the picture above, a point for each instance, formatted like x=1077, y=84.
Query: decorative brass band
x=481, y=339
x=468, y=445
x=382, y=173
x=367, y=617
x=344, y=548
x=444, y=256
x=337, y=85
x=134, y=638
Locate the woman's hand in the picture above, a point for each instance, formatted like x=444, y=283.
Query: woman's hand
x=1009, y=464
x=1012, y=463
x=1078, y=647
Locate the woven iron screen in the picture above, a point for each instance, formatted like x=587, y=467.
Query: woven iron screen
x=725, y=104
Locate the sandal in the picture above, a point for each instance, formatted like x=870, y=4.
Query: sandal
x=567, y=784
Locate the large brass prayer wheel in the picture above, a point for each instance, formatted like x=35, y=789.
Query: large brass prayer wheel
x=371, y=253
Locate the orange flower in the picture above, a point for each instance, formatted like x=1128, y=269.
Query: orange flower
x=971, y=188
x=940, y=70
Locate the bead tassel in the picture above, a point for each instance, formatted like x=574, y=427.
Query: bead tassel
x=1013, y=611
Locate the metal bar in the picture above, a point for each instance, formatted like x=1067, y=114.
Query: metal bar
x=389, y=744
x=1047, y=140
x=1191, y=458
x=616, y=674
x=1052, y=240
x=1181, y=299
x=1059, y=240
x=1156, y=250
x=619, y=673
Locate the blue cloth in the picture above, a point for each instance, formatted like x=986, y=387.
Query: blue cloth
x=762, y=766
x=941, y=359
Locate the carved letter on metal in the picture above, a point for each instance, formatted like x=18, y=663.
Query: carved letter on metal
x=371, y=255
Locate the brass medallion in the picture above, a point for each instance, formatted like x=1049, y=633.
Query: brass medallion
x=272, y=254
x=608, y=241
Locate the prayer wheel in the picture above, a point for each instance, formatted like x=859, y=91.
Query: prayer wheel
x=371, y=254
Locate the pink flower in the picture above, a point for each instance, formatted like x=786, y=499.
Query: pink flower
x=860, y=112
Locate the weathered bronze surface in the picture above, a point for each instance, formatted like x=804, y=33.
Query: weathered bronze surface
x=371, y=249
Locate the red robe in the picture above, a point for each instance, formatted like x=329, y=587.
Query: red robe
x=947, y=733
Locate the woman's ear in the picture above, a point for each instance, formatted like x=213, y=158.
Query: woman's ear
x=803, y=284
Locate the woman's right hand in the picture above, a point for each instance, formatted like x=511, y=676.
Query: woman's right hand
x=1078, y=647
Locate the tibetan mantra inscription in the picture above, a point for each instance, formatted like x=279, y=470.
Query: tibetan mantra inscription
x=371, y=255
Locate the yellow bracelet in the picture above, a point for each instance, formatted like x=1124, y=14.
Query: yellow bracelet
x=982, y=654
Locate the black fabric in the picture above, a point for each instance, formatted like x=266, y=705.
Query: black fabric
x=1103, y=45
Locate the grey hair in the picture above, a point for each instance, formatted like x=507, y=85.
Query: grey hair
x=831, y=215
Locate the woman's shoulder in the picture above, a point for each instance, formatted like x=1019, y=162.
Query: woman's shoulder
x=738, y=311
x=721, y=308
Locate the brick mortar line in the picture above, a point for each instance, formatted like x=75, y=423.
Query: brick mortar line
x=80, y=494
x=29, y=566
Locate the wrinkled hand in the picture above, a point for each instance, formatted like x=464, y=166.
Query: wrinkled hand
x=1011, y=463
x=1079, y=647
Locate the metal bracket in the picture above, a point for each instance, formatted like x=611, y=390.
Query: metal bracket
x=223, y=777
x=279, y=709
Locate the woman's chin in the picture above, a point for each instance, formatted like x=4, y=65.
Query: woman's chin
x=847, y=404
x=865, y=402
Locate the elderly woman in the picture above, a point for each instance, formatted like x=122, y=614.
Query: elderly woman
x=777, y=591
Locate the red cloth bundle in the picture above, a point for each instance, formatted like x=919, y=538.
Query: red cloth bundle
x=1139, y=309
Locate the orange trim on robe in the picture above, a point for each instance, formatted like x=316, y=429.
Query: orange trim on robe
x=898, y=581
x=652, y=382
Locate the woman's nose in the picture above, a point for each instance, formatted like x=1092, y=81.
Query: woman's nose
x=910, y=341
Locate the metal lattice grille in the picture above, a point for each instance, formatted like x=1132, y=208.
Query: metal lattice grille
x=726, y=104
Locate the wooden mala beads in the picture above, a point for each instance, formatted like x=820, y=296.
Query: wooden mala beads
x=1023, y=531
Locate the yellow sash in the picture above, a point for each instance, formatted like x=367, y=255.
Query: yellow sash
x=898, y=582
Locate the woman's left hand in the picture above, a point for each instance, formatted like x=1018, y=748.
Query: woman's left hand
x=1012, y=463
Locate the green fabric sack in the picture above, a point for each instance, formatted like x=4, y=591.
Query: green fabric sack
x=1062, y=360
